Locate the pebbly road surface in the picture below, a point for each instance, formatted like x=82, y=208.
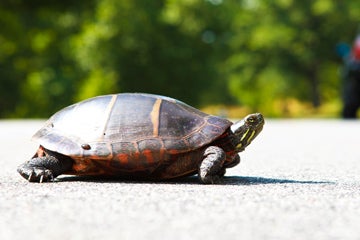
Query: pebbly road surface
x=299, y=180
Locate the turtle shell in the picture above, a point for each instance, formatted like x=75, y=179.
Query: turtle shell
x=129, y=127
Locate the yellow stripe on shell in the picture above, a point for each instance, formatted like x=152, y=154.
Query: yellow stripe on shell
x=155, y=116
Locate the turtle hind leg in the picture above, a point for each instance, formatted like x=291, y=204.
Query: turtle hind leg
x=45, y=168
x=211, y=168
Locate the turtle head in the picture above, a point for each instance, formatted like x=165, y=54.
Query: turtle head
x=246, y=130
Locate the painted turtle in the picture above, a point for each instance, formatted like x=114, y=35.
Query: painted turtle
x=138, y=136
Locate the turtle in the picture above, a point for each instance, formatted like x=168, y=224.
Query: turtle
x=138, y=136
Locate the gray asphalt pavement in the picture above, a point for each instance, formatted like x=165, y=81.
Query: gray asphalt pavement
x=299, y=180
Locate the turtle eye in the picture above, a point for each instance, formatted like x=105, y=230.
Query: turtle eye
x=251, y=120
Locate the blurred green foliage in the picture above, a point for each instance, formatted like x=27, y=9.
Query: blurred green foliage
x=254, y=53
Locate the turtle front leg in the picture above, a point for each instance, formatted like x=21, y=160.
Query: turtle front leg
x=211, y=168
x=45, y=168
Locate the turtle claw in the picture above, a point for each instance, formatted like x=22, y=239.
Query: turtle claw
x=46, y=176
x=30, y=176
x=35, y=174
x=41, y=178
x=42, y=175
x=44, y=169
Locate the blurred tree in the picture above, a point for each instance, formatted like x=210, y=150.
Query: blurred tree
x=37, y=74
x=285, y=48
x=164, y=47
x=254, y=52
x=63, y=51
